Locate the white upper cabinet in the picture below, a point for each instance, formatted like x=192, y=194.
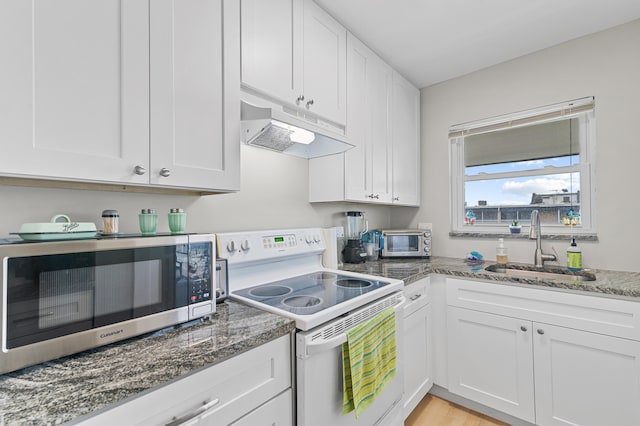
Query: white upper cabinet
x=383, y=116
x=293, y=52
x=406, y=142
x=195, y=87
x=75, y=89
x=99, y=92
x=368, y=166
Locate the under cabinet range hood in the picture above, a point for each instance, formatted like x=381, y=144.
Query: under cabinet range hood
x=268, y=127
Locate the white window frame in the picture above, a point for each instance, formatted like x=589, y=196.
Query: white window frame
x=583, y=109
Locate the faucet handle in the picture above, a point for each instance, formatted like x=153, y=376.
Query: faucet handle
x=555, y=254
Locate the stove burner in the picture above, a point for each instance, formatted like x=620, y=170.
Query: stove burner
x=324, y=276
x=353, y=283
x=303, y=304
x=270, y=291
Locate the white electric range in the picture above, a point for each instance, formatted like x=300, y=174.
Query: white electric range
x=281, y=271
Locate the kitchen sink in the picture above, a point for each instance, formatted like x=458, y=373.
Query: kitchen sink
x=546, y=272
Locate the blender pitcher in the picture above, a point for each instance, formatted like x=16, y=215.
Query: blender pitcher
x=356, y=226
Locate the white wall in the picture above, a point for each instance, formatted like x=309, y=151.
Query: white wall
x=605, y=65
x=274, y=194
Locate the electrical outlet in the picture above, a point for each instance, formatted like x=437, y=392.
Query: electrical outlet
x=424, y=225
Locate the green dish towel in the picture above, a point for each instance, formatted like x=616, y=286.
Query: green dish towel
x=368, y=361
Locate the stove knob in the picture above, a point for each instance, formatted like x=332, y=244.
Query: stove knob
x=231, y=246
x=245, y=246
x=308, y=239
x=316, y=238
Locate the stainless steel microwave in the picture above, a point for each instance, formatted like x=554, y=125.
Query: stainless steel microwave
x=63, y=297
x=406, y=243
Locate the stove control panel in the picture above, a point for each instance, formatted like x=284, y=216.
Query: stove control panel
x=251, y=246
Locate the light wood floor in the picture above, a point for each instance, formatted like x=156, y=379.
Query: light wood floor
x=434, y=411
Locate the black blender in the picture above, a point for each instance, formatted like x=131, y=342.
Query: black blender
x=356, y=225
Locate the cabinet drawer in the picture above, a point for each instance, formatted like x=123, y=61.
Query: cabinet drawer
x=417, y=295
x=239, y=385
x=590, y=313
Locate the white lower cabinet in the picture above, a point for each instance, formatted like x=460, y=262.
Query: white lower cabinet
x=491, y=361
x=584, y=378
x=418, y=353
x=547, y=374
x=253, y=388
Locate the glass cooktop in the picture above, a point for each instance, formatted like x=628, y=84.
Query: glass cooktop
x=310, y=293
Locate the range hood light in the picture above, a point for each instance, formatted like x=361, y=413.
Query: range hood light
x=296, y=134
x=276, y=130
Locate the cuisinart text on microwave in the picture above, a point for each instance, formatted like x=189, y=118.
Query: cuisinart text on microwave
x=64, y=297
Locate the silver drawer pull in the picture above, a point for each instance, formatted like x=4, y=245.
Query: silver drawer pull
x=415, y=297
x=177, y=421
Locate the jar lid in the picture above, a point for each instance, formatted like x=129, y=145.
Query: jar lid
x=148, y=211
x=176, y=210
x=110, y=213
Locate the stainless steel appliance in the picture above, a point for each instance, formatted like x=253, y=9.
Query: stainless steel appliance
x=222, y=282
x=356, y=226
x=281, y=271
x=64, y=297
x=406, y=243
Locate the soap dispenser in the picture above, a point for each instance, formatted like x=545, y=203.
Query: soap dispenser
x=574, y=256
x=501, y=252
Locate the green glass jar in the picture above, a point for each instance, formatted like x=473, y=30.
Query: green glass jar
x=177, y=221
x=148, y=222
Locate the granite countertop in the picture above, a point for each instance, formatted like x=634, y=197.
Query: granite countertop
x=624, y=285
x=68, y=388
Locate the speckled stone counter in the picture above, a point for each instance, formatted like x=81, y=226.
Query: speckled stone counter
x=625, y=285
x=71, y=387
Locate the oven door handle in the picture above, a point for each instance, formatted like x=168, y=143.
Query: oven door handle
x=311, y=349
x=315, y=348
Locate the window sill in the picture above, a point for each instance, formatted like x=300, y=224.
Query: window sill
x=523, y=235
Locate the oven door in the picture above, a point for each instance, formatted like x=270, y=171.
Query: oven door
x=319, y=373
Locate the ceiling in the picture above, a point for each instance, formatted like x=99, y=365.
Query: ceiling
x=430, y=41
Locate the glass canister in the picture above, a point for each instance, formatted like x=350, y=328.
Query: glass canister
x=148, y=221
x=177, y=221
x=110, y=220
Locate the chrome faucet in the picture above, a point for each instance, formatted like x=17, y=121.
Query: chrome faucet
x=535, y=233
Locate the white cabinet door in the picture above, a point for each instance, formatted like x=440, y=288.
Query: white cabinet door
x=74, y=87
x=406, y=142
x=491, y=361
x=272, y=47
x=368, y=165
x=294, y=53
x=418, y=353
x=324, y=64
x=195, y=103
x=584, y=378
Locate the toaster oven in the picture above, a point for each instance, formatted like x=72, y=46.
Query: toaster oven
x=414, y=243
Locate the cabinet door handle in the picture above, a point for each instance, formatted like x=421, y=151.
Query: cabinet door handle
x=300, y=99
x=523, y=328
x=540, y=331
x=139, y=170
x=309, y=103
x=165, y=172
x=396, y=198
x=415, y=297
x=176, y=421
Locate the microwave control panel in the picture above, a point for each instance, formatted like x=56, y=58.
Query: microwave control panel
x=195, y=263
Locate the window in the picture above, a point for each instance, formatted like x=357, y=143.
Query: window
x=505, y=167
